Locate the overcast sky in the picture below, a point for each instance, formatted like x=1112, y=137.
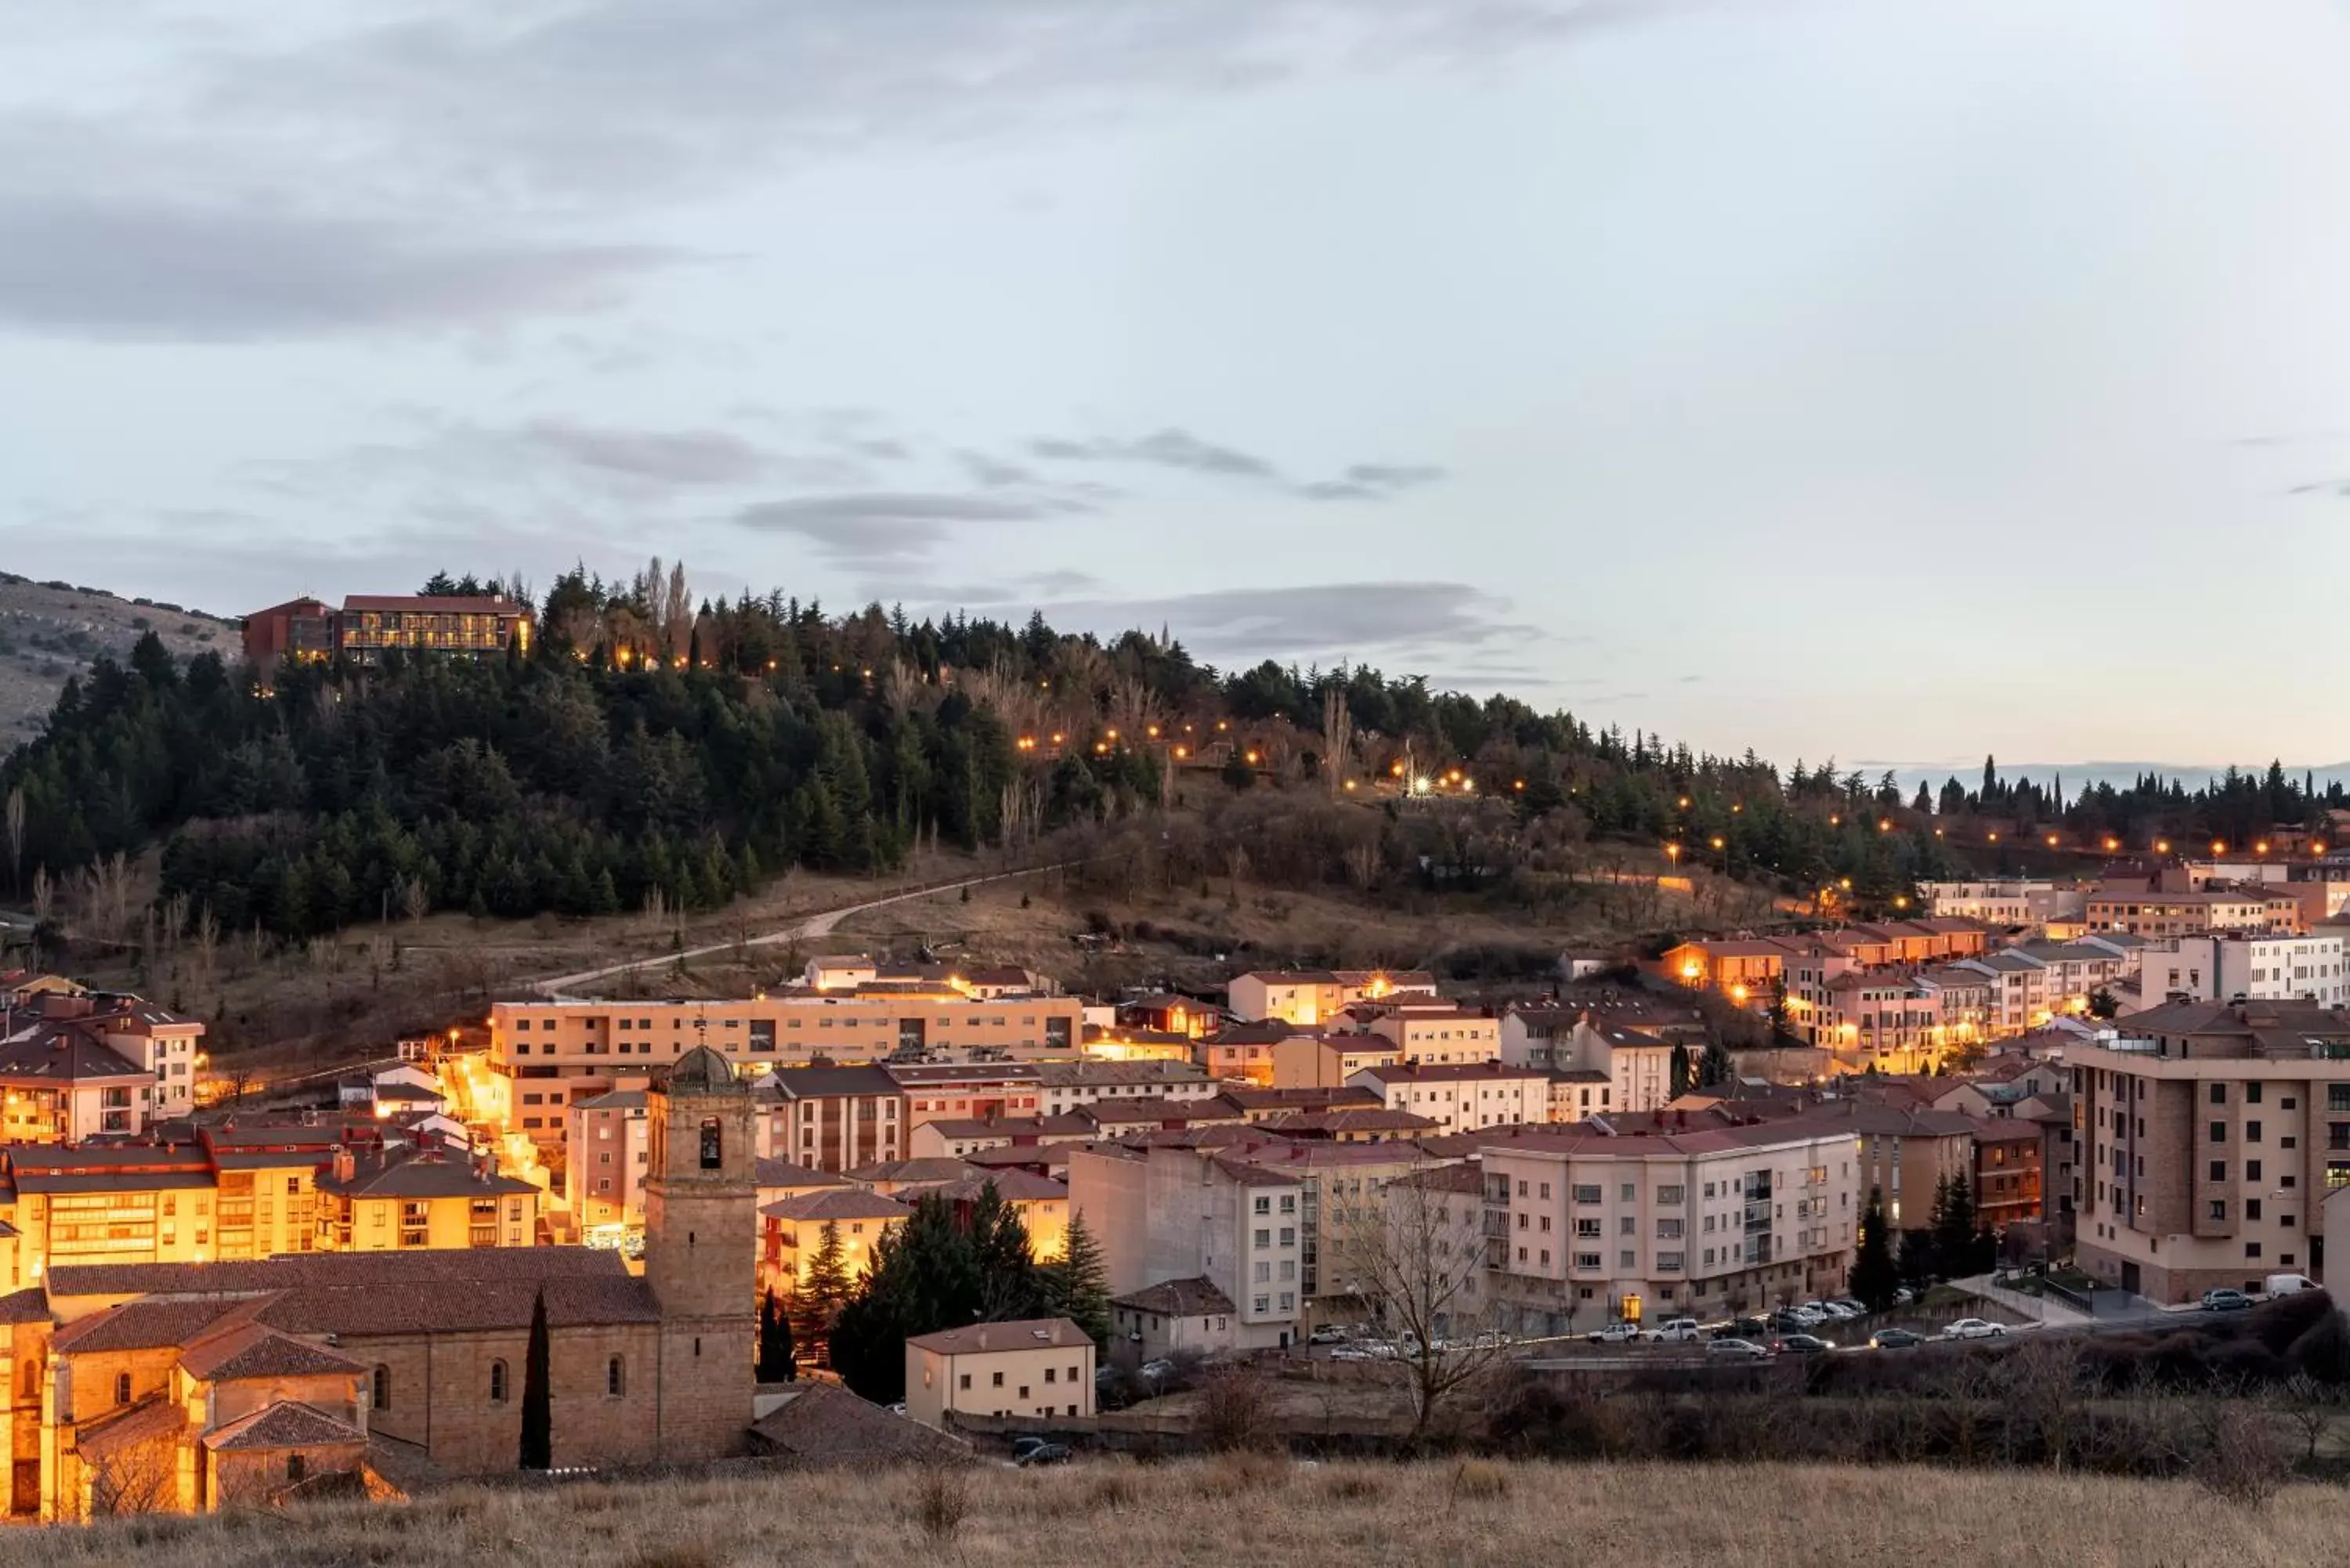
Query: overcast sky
x=1895, y=379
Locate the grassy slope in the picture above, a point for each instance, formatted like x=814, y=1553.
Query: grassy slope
x=1237, y=1515
x=54, y=633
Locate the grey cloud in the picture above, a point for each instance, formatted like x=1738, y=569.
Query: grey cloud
x=1340, y=490
x=882, y=526
x=1166, y=449
x=1394, y=476
x=677, y=457
x=144, y=271
x=1326, y=619
x=994, y=471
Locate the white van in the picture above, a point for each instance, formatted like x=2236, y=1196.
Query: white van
x=2290, y=1284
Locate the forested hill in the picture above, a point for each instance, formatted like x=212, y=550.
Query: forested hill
x=647, y=749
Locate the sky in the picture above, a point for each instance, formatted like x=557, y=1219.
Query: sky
x=1901, y=382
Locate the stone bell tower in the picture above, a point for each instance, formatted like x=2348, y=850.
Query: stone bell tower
x=700, y=1255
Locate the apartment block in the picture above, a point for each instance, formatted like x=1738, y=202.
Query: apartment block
x=2209, y=1133
x=1313, y=1060
x=1065, y=1086
x=1310, y=998
x=1165, y=1213
x=1635, y=1065
x=1431, y=1033
x=2007, y=902
x=829, y=1118
x=2267, y=966
x=1588, y=1224
x=1463, y=1099
x=1042, y=1367
x=604, y=1163
x=2145, y=911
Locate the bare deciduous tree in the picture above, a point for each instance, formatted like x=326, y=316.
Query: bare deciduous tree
x=1337, y=737
x=16, y=820
x=1414, y=1253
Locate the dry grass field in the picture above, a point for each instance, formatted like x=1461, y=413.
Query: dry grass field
x=1241, y=1512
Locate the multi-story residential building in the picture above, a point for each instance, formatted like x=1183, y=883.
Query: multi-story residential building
x=369, y=624
x=974, y=1090
x=2006, y=1174
x=1463, y=1099
x=1064, y=1086
x=954, y=1139
x=252, y=1191
x=1905, y=1155
x=604, y=1163
x=2008, y=902
x=1242, y=1053
x=1164, y=1213
x=1431, y=1033
x=2145, y=911
x=829, y=1118
x=1318, y=1061
x=1042, y=1202
x=2267, y=966
x=2210, y=1132
x=1587, y=1223
x=1041, y=1367
x=1311, y=998
x=1342, y=1188
x=2036, y=982
x=75, y=1064
x=546, y=1054
x=1637, y=1066
x=792, y=1231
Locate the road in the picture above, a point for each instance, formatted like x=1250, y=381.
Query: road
x=812, y=926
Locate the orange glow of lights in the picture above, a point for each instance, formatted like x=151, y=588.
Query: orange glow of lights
x=2162, y=846
x=1252, y=759
x=1717, y=841
x=2051, y=841
x=2262, y=847
x=2219, y=846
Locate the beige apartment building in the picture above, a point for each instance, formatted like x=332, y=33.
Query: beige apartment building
x=1038, y=1366
x=1635, y=1066
x=1310, y=998
x=2211, y=1133
x=1433, y=1033
x=1463, y=1099
x=2150, y=912
x=604, y=1163
x=1585, y=1225
x=549, y=1053
x=1318, y=1061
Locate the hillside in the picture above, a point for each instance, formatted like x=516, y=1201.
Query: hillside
x=51, y=632
x=1245, y=1511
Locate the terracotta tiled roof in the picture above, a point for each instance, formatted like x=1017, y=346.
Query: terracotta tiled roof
x=153, y=1419
x=30, y=1305
x=288, y=1424
x=937, y=1169
x=821, y=1427
x=253, y=1351
x=156, y=1325
x=1014, y=1186
x=1028, y=1333
x=836, y=1203
x=401, y=1174
x=1177, y=1298
x=784, y=1173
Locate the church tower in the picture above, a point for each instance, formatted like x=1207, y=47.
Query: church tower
x=700, y=1255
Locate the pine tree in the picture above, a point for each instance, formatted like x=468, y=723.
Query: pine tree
x=1077, y=1283
x=816, y=1304
x=1679, y=1069
x=538, y=1397
x=1717, y=1067
x=776, y=1362
x=1874, y=1277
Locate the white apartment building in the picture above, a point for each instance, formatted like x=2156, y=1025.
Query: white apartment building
x=2035, y=982
x=1165, y=1214
x=1461, y=1099
x=1433, y=1033
x=2012, y=902
x=1064, y=1087
x=1585, y=1224
x=1639, y=1066
x=1307, y=998
x=2267, y=966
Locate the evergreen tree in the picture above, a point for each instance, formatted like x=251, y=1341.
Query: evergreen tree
x=1679, y=1071
x=825, y=1290
x=1874, y=1277
x=1077, y=1283
x=1959, y=1241
x=776, y=1362
x=1010, y=1285
x=1717, y=1067
x=537, y=1396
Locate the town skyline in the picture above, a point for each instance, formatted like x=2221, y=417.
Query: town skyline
x=1624, y=356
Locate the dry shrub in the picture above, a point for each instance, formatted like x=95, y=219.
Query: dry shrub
x=941, y=1500
x=1236, y=1409
x=1478, y=1480
x=1243, y=1471
x=2244, y=1462
x=1112, y=1488
x=1355, y=1486
x=678, y=1554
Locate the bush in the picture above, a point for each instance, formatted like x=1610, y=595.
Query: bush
x=2244, y=1463
x=1235, y=1409
x=1480, y=1479
x=941, y=1500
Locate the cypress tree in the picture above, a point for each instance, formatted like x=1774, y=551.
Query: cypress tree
x=538, y=1397
x=1874, y=1276
x=777, y=1362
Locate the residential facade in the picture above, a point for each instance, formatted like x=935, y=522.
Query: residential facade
x=1311, y=998
x=1042, y=1367
x=1463, y=1099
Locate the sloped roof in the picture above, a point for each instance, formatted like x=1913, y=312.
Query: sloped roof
x=1026, y=1334
x=433, y=1174
x=1196, y=1297
x=288, y=1424
x=152, y=1324
x=784, y=1173
x=255, y=1351
x=1014, y=1186
x=822, y=1427
x=834, y=1203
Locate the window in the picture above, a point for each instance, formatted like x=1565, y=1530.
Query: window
x=1671, y=1197
x=2251, y=1170
x=1586, y=1194
x=1587, y=1259
x=122, y=1388
x=2219, y=1210
x=2251, y=1208
x=380, y=1394
x=2251, y=1093
x=2252, y=1250
x=2218, y=1132
x=966, y=1382
x=1264, y=1205
x=2218, y=1170
x=1628, y=1192
x=2218, y=1094
x=615, y=1378
x=998, y=1379
x=1627, y=1260
x=2252, y=1132
x=497, y=1382
x=714, y=1152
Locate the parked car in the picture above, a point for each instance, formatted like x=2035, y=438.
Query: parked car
x=1677, y=1331
x=1328, y=1334
x=1615, y=1333
x=2290, y=1284
x=2225, y=1299
x=1806, y=1345
x=1157, y=1372
x=1852, y=1305
x=1904, y=1296
x=1737, y=1350
x=1350, y=1353
x=1743, y=1328
x=1839, y=1312
x=1043, y=1454
x=1790, y=1321
x=1895, y=1339
x=1023, y=1444
x=1975, y=1328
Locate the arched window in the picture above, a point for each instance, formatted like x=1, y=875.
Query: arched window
x=122, y=1388
x=712, y=1145
x=615, y=1378
x=32, y=1380
x=497, y=1382
x=381, y=1392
